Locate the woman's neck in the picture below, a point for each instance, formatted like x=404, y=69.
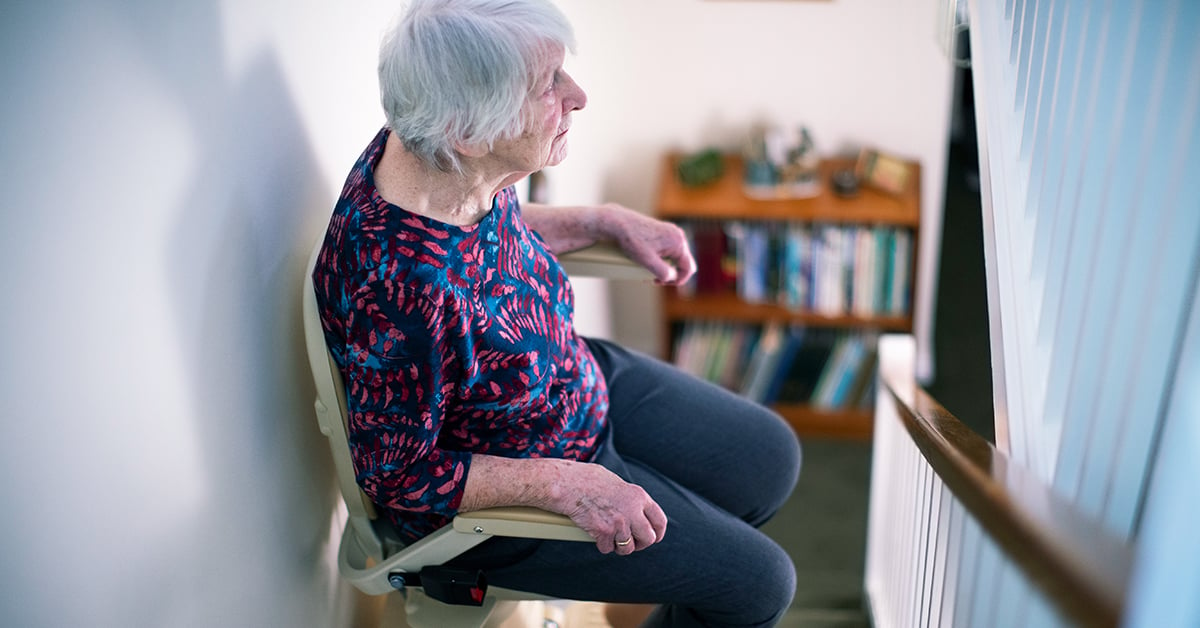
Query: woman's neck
x=455, y=198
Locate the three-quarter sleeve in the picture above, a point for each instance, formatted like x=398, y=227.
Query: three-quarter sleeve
x=400, y=373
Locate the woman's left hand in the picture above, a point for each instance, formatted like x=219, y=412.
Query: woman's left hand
x=660, y=246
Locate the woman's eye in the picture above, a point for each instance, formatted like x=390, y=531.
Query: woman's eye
x=553, y=82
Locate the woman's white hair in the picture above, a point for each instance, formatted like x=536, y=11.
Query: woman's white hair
x=462, y=70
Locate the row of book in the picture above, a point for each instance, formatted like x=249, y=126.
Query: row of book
x=830, y=269
x=776, y=363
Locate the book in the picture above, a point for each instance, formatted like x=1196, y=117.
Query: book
x=863, y=271
x=711, y=250
x=823, y=245
x=753, y=246
x=775, y=276
x=718, y=340
x=849, y=263
x=701, y=353
x=792, y=342
x=901, y=254
x=733, y=232
x=807, y=365
x=738, y=356
x=797, y=267
x=822, y=393
x=846, y=372
x=684, y=346
x=763, y=362
x=882, y=262
x=865, y=375
x=833, y=277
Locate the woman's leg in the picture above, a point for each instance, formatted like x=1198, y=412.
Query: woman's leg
x=710, y=568
x=718, y=466
x=736, y=453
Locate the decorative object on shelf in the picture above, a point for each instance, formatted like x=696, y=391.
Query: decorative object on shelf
x=781, y=162
x=883, y=172
x=700, y=168
x=844, y=183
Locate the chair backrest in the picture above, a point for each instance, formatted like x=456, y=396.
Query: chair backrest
x=332, y=416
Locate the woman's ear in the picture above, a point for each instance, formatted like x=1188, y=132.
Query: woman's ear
x=472, y=150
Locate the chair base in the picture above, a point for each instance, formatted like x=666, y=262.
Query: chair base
x=418, y=611
x=414, y=609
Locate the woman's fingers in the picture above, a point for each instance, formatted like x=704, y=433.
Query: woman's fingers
x=642, y=535
x=657, y=519
x=624, y=536
x=643, y=531
x=624, y=543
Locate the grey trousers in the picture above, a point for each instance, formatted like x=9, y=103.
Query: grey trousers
x=717, y=464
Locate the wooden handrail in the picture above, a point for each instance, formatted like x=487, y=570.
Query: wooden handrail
x=1081, y=568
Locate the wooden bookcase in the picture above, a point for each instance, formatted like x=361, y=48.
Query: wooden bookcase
x=724, y=200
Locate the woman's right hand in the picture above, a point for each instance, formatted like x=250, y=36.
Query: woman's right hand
x=621, y=516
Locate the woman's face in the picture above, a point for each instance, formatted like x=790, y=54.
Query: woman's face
x=543, y=142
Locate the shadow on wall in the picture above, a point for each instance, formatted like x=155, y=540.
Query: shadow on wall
x=240, y=307
x=256, y=551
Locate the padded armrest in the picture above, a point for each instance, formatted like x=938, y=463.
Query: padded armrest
x=520, y=521
x=602, y=260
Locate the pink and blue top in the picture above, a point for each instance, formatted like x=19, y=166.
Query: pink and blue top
x=452, y=341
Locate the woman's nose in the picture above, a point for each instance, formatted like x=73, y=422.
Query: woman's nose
x=575, y=97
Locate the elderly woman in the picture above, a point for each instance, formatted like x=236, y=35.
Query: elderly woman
x=452, y=321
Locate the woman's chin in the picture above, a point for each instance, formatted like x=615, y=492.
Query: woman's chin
x=558, y=152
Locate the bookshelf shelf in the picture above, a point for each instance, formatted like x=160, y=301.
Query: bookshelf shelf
x=729, y=307
x=811, y=421
x=724, y=202
x=723, y=199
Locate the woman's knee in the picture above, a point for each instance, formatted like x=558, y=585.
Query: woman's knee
x=782, y=447
x=779, y=453
x=761, y=593
x=777, y=586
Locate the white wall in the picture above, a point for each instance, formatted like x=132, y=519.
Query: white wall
x=166, y=166
x=685, y=74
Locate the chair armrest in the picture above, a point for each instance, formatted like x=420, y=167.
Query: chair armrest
x=520, y=521
x=467, y=531
x=602, y=260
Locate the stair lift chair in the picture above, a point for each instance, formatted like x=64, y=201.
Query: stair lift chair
x=370, y=556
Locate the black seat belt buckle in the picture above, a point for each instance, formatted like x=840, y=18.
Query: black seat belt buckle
x=465, y=587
